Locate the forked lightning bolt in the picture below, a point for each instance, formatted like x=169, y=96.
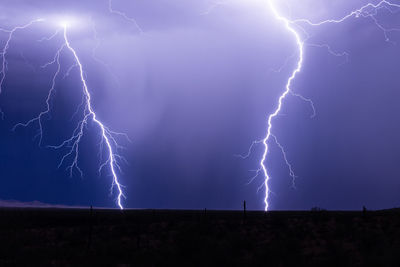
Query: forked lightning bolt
x=369, y=10
x=4, y=51
x=108, y=137
x=124, y=16
x=300, y=45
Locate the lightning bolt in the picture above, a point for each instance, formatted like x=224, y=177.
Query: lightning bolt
x=369, y=10
x=4, y=51
x=107, y=134
x=108, y=137
x=46, y=112
x=300, y=45
x=124, y=16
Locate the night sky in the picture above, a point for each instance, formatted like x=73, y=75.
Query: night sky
x=193, y=90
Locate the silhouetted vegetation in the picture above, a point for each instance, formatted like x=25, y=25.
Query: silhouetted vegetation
x=198, y=238
x=316, y=209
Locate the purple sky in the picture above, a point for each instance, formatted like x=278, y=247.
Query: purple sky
x=195, y=89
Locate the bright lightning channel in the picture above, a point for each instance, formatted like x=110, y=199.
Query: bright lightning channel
x=300, y=46
x=108, y=137
x=367, y=11
x=105, y=132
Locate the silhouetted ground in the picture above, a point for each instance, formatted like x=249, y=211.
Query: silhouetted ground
x=63, y=237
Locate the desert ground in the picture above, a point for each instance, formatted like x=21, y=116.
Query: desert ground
x=64, y=237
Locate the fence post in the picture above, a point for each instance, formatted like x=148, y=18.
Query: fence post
x=244, y=209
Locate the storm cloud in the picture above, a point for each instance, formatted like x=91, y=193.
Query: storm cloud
x=192, y=90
